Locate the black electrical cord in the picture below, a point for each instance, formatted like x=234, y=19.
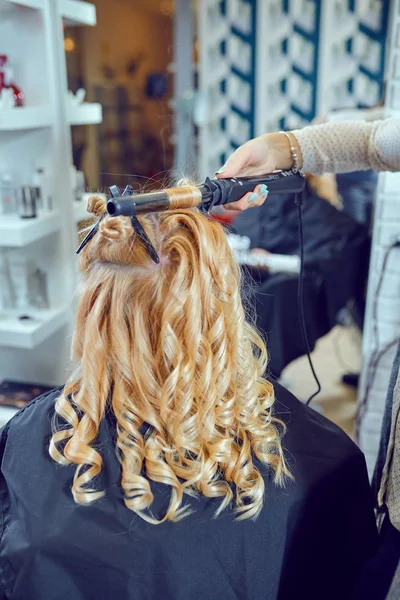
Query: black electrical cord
x=378, y=292
x=300, y=299
x=377, y=354
x=372, y=370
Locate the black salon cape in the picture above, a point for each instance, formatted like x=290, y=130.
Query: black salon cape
x=336, y=258
x=309, y=542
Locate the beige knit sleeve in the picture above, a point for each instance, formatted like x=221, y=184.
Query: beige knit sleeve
x=350, y=146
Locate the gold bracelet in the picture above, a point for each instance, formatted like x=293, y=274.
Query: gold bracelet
x=293, y=152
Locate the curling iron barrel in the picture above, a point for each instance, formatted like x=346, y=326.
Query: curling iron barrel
x=212, y=192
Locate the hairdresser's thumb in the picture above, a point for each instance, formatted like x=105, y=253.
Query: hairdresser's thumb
x=235, y=163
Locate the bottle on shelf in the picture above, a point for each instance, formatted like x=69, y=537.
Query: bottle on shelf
x=6, y=80
x=41, y=183
x=7, y=195
x=27, y=202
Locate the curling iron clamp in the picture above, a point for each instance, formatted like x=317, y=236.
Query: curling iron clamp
x=213, y=192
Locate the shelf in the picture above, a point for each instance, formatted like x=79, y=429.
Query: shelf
x=278, y=70
x=16, y=232
x=372, y=22
x=371, y=33
x=239, y=71
x=278, y=110
x=218, y=145
x=241, y=33
x=305, y=28
x=368, y=73
x=85, y=114
x=77, y=12
x=344, y=28
x=219, y=72
x=279, y=29
x=342, y=71
x=218, y=30
x=303, y=74
x=80, y=212
x=242, y=110
x=15, y=333
x=219, y=109
x=25, y=117
x=36, y=4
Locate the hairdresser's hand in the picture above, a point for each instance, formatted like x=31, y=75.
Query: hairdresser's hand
x=259, y=156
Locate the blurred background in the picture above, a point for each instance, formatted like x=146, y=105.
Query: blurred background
x=142, y=92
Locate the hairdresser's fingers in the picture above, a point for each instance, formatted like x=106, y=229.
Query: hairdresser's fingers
x=250, y=200
x=237, y=162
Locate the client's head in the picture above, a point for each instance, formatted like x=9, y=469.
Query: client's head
x=167, y=351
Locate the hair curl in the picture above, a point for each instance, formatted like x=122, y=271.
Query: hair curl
x=167, y=349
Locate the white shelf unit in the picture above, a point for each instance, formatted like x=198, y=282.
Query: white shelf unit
x=80, y=212
x=37, y=348
x=85, y=114
x=25, y=117
x=17, y=233
x=77, y=12
x=34, y=4
x=29, y=333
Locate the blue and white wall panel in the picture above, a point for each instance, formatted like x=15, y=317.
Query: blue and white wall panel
x=304, y=58
x=386, y=230
x=241, y=84
x=273, y=65
x=314, y=56
x=370, y=42
x=337, y=62
x=214, y=70
x=352, y=45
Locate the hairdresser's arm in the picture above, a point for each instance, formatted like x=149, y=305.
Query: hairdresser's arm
x=331, y=147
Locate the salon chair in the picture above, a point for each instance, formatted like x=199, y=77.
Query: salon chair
x=336, y=257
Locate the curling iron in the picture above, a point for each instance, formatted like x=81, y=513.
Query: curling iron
x=213, y=192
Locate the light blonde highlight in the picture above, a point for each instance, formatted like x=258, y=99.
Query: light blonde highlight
x=187, y=197
x=168, y=351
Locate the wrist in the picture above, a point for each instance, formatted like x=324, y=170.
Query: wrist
x=297, y=148
x=281, y=147
x=293, y=149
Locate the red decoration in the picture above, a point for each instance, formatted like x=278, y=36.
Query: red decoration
x=6, y=76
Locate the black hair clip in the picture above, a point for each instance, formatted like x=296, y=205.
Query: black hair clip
x=128, y=191
x=89, y=236
x=114, y=192
x=145, y=239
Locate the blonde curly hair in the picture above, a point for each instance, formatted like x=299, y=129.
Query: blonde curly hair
x=167, y=349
